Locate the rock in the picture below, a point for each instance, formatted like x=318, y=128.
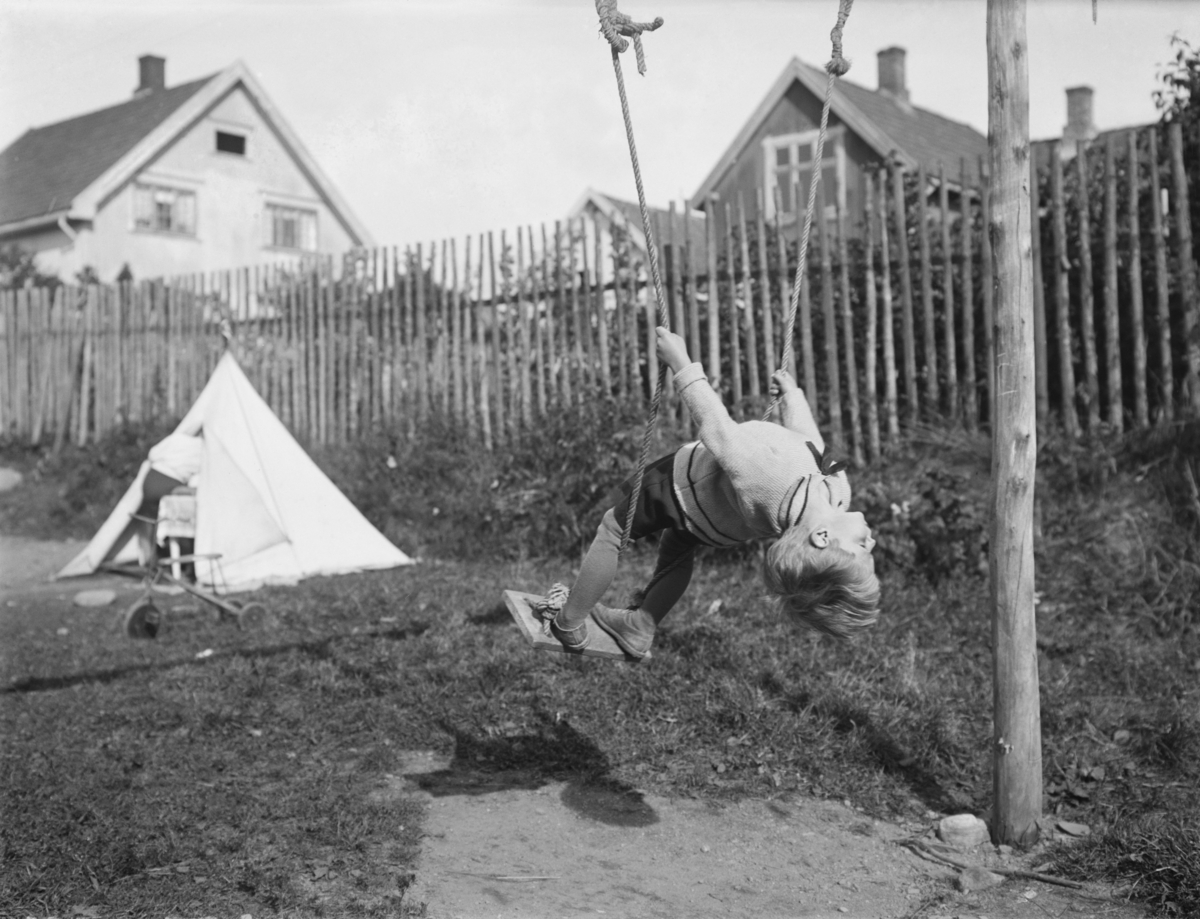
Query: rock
x=975, y=878
x=9, y=479
x=99, y=597
x=963, y=831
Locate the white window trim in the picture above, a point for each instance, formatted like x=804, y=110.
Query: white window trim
x=835, y=150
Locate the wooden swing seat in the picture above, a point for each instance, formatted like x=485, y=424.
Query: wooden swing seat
x=520, y=606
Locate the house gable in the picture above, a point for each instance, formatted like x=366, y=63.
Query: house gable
x=80, y=201
x=865, y=126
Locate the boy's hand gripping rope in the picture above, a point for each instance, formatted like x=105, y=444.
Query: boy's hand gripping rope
x=837, y=66
x=613, y=25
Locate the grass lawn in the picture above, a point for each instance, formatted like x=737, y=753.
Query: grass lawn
x=154, y=778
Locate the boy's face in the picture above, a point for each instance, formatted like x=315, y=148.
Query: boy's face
x=850, y=530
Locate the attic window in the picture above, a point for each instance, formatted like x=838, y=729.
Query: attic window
x=231, y=143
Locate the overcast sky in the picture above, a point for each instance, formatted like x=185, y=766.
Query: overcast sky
x=441, y=118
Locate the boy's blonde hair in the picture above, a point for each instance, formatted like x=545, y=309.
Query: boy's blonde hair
x=827, y=589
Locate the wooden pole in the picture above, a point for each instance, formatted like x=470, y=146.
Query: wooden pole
x=748, y=309
x=966, y=227
x=713, y=362
x=1041, y=378
x=1162, y=293
x=948, y=333
x=988, y=290
x=1141, y=407
x=833, y=382
x=887, y=321
x=485, y=408
x=1087, y=306
x=848, y=338
x=468, y=342
x=735, y=338
x=907, y=331
x=933, y=398
x=602, y=311
x=1112, y=326
x=764, y=293
x=1017, y=754
x=1062, y=295
x=871, y=305
x=1187, y=268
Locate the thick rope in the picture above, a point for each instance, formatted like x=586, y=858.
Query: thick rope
x=613, y=25
x=837, y=66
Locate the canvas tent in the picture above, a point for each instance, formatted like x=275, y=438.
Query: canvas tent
x=261, y=504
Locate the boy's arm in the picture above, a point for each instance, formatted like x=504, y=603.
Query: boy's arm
x=715, y=428
x=794, y=411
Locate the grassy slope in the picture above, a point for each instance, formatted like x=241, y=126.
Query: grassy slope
x=136, y=759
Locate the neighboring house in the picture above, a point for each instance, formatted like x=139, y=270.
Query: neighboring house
x=771, y=159
x=610, y=212
x=198, y=177
x=1080, y=131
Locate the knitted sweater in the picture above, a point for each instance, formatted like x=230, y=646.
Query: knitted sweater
x=748, y=480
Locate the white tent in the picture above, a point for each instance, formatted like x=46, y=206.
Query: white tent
x=262, y=505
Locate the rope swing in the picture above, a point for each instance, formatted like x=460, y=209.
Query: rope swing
x=616, y=26
x=837, y=66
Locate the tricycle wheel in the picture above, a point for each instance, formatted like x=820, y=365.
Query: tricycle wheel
x=252, y=615
x=142, y=620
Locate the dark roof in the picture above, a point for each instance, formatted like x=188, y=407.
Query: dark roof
x=691, y=227
x=931, y=139
x=44, y=169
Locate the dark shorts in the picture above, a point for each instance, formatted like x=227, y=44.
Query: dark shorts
x=657, y=508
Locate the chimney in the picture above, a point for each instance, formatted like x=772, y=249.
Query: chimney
x=1079, y=126
x=891, y=73
x=152, y=74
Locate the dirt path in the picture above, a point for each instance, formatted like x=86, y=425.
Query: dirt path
x=509, y=846
x=496, y=847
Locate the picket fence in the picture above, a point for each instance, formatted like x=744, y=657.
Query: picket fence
x=892, y=328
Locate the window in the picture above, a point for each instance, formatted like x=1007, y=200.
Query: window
x=231, y=143
x=159, y=209
x=789, y=170
x=291, y=228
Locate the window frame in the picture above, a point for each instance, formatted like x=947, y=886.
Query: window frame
x=271, y=242
x=834, y=155
x=153, y=188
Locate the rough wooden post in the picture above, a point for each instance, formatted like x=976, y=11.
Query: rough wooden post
x=1162, y=295
x=1187, y=268
x=907, y=332
x=1112, y=325
x=1087, y=307
x=870, y=335
x=1062, y=294
x=933, y=398
x=948, y=333
x=1017, y=752
x=1141, y=407
x=886, y=321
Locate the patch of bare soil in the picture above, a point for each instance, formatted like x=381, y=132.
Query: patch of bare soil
x=501, y=845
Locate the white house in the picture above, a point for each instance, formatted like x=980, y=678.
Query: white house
x=199, y=177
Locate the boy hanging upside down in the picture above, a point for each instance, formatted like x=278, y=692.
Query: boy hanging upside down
x=739, y=482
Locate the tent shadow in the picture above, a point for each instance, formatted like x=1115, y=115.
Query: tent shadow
x=530, y=760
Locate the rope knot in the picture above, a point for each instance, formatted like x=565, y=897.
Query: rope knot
x=614, y=24
x=838, y=65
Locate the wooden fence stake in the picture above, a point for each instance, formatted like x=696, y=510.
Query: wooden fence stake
x=1087, y=307
x=1162, y=292
x=1062, y=295
x=1141, y=407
